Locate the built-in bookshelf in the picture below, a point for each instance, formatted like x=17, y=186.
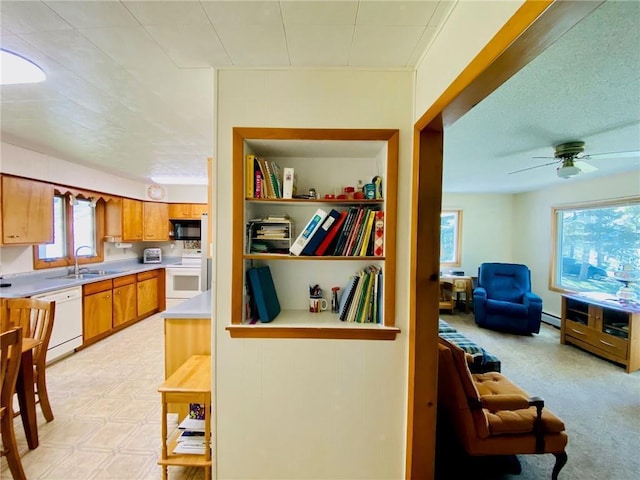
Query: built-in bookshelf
x=324, y=161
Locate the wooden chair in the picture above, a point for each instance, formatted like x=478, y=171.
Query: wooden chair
x=447, y=300
x=492, y=416
x=10, y=354
x=36, y=319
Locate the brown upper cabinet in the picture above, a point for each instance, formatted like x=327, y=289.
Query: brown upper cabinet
x=27, y=211
x=123, y=219
x=156, y=221
x=187, y=210
x=131, y=220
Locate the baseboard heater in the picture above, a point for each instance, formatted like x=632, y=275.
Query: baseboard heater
x=551, y=319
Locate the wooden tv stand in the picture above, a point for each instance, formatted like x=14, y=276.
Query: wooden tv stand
x=600, y=324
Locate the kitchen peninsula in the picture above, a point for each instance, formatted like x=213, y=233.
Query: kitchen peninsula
x=187, y=332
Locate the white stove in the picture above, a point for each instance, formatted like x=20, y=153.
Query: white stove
x=183, y=279
x=189, y=259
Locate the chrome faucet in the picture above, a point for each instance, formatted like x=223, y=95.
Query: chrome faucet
x=76, y=270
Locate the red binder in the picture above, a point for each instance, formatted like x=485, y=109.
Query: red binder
x=337, y=225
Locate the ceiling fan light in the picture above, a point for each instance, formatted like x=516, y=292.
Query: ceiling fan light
x=16, y=69
x=568, y=171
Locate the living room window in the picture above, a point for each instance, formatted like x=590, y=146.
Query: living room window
x=450, y=231
x=594, y=243
x=76, y=222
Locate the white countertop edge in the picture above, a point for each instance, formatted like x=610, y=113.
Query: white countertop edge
x=198, y=307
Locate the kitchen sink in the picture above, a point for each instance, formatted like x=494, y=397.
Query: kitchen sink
x=87, y=274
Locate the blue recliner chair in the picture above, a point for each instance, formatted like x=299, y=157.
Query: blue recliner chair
x=503, y=299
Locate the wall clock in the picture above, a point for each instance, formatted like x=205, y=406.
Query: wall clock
x=155, y=192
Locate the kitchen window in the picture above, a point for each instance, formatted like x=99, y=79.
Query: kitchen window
x=450, y=232
x=77, y=222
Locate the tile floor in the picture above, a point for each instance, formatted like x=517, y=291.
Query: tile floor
x=107, y=413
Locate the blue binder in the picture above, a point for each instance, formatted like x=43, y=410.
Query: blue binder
x=264, y=293
x=315, y=241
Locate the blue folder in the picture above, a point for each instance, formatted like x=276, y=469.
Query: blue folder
x=264, y=293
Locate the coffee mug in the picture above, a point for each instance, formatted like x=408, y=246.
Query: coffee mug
x=317, y=304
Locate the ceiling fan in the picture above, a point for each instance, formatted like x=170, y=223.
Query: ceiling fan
x=569, y=154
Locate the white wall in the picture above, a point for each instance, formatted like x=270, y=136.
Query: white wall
x=290, y=408
x=487, y=232
x=532, y=241
x=469, y=27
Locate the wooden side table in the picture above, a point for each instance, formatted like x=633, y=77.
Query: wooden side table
x=190, y=383
x=461, y=285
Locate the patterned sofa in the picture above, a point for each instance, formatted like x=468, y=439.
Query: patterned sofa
x=483, y=361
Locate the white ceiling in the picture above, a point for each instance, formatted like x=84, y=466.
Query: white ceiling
x=584, y=87
x=130, y=84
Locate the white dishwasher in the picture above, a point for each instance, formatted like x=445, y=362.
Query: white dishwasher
x=67, y=322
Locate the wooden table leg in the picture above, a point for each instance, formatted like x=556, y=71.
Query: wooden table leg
x=27, y=399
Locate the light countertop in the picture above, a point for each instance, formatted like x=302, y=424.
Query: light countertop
x=37, y=282
x=194, y=307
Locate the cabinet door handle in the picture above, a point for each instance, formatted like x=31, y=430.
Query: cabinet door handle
x=107, y=296
x=578, y=331
x=150, y=235
x=607, y=343
x=14, y=236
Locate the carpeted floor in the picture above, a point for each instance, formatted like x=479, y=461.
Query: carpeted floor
x=598, y=402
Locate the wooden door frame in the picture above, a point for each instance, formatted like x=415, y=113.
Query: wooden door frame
x=535, y=25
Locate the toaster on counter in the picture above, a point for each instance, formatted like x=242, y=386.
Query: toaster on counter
x=152, y=255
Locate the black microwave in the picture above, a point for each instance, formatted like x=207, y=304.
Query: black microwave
x=186, y=229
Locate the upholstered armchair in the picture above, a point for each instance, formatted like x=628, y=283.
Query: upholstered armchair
x=491, y=415
x=503, y=300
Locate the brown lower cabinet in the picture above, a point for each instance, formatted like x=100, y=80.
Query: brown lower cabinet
x=147, y=292
x=110, y=305
x=97, y=309
x=125, y=308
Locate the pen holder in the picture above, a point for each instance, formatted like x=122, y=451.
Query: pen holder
x=317, y=304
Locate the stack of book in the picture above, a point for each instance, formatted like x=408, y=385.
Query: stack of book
x=361, y=301
x=191, y=439
x=356, y=232
x=269, y=235
x=263, y=178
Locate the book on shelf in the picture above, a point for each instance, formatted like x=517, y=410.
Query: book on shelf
x=266, y=179
x=355, y=228
x=362, y=232
x=258, y=192
x=191, y=436
x=344, y=233
x=313, y=224
x=362, y=300
x=367, y=233
x=321, y=233
x=378, y=237
x=288, y=179
x=188, y=448
x=192, y=424
x=196, y=411
x=250, y=176
x=353, y=308
x=347, y=297
x=331, y=236
x=276, y=175
x=263, y=292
